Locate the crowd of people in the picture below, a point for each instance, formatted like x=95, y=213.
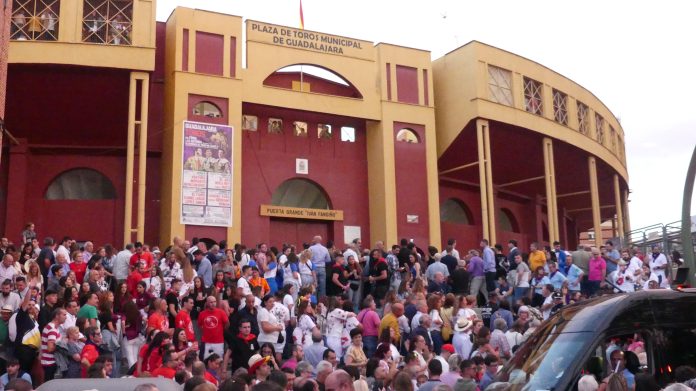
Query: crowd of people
x=315, y=317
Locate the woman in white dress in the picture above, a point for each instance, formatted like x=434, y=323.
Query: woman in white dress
x=305, y=323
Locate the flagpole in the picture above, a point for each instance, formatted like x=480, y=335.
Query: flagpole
x=301, y=69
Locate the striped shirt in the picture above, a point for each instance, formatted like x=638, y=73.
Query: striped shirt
x=50, y=333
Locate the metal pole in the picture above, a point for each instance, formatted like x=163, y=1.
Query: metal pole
x=687, y=241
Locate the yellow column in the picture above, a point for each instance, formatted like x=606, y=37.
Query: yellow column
x=594, y=193
x=485, y=181
x=627, y=218
x=550, y=179
x=130, y=151
x=619, y=207
x=142, y=158
x=381, y=177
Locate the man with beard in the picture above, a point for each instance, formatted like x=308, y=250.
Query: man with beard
x=8, y=297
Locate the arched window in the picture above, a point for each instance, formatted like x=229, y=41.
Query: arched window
x=407, y=135
x=312, y=78
x=507, y=221
x=456, y=212
x=81, y=184
x=300, y=193
x=207, y=109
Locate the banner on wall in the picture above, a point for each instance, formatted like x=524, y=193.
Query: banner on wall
x=206, y=180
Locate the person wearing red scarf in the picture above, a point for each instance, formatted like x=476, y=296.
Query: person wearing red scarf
x=243, y=345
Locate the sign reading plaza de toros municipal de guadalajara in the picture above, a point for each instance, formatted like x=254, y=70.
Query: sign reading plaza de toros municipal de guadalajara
x=308, y=40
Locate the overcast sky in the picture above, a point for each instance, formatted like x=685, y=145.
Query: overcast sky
x=638, y=57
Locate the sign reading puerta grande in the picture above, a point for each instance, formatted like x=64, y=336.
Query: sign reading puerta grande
x=308, y=40
x=206, y=183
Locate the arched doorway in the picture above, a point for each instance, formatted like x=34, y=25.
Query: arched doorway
x=84, y=191
x=299, y=193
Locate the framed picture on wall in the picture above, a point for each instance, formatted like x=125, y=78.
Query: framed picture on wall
x=250, y=123
x=299, y=128
x=275, y=125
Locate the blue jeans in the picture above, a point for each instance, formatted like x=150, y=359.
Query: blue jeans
x=321, y=281
x=436, y=336
x=369, y=345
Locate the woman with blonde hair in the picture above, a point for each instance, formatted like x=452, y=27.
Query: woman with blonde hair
x=418, y=291
x=187, y=270
x=307, y=273
x=33, y=274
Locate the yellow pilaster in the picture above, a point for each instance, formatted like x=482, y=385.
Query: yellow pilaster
x=382, y=181
x=130, y=151
x=594, y=193
x=485, y=180
x=619, y=207
x=142, y=153
x=627, y=218
x=550, y=179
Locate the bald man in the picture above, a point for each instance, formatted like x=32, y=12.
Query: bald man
x=339, y=380
x=391, y=320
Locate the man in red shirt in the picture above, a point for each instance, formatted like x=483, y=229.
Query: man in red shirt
x=141, y=255
x=212, y=322
x=140, y=273
x=168, y=368
x=91, y=351
x=183, y=318
x=159, y=320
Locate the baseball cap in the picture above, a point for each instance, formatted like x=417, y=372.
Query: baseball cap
x=256, y=361
x=448, y=347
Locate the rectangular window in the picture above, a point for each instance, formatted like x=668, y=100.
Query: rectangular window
x=560, y=107
x=34, y=20
x=426, y=86
x=348, y=134
x=233, y=56
x=533, y=97
x=209, y=53
x=500, y=85
x=583, y=121
x=185, y=51
x=612, y=137
x=107, y=21
x=599, y=127
x=389, y=84
x=406, y=84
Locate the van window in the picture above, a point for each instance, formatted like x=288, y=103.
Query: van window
x=674, y=347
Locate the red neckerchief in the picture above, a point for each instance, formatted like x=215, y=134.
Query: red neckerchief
x=246, y=339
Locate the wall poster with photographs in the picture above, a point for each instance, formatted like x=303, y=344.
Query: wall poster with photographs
x=275, y=125
x=206, y=181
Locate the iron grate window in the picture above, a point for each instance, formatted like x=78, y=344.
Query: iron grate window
x=34, y=20
x=560, y=107
x=599, y=125
x=108, y=21
x=612, y=138
x=583, y=124
x=500, y=85
x=533, y=101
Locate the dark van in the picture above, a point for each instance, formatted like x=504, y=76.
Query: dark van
x=577, y=339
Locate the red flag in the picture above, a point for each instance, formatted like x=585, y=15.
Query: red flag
x=301, y=16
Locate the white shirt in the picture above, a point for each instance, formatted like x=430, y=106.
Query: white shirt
x=244, y=284
x=121, y=263
x=635, y=264
x=70, y=321
x=455, y=254
x=661, y=260
x=547, y=312
x=462, y=344
x=445, y=365
x=13, y=300
x=266, y=316
x=435, y=315
x=626, y=278
x=415, y=322
x=335, y=322
x=65, y=252
x=351, y=323
x=7, y=273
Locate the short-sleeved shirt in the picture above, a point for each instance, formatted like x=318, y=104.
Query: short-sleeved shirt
x=164, y=372
x=172, y=298
x=80, y=269
x=597, y=265
x=50, y=334
x=331, y=288
x=574, y=277
x=266, y=316
x=377, y=269
x=536, y=258
x=183, y=321
x=335, y=321
x=87, y=311
x=158, y=321
x=212, y=324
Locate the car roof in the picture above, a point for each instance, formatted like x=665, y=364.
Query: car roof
x=597, y=313
x=121, y=384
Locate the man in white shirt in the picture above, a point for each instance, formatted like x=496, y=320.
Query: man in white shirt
x=658, y=265
x=71, y=318
x=547, y=292
x=7, y=269
x=64, y=248
x=122, y=263
x=243, y=287
x=450, y=249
